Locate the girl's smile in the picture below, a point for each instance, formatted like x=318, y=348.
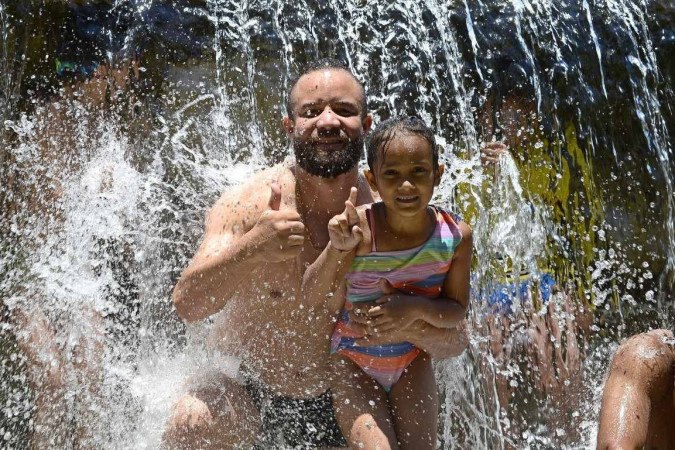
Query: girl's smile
x=405, y=176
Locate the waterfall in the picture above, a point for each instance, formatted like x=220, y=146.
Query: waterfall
x=103, y=199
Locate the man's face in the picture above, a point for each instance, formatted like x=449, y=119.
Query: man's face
x=328, y=123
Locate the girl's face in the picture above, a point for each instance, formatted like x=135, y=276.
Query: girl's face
x=404, y=174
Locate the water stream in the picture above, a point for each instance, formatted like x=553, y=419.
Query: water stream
x=110, y=166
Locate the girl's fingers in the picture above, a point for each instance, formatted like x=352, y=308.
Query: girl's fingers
x=358, y=234
x=385, y=327
x=350, y=212
x=344, y=227
x=295, y=240
x=381, y=321
x=352, y=196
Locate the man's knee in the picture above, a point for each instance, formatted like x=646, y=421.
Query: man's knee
x=190, y=421
x=213, y=417
x=190, y=412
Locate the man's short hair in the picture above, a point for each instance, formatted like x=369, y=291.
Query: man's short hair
x=321, y=64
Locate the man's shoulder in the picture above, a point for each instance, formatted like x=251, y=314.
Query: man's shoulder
x=256, y=189
x=654, y=343
x=280, y=174
x=243, y=203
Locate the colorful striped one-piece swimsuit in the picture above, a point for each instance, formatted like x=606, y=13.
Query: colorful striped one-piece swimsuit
x=417, y=271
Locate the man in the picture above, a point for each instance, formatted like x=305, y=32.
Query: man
x=638, y=403
x=259, y=239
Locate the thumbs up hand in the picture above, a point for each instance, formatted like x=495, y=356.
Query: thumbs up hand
x=274, y=202
x=279, y=234
x=343, y=229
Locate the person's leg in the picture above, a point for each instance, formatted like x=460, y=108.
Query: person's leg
x=361, y=407
x=46, y=374
x=219, y=413
x=414, y=404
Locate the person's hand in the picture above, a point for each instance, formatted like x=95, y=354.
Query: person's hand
x=491, y=152
x=278, y=235
x=411, y=333
x=392, y=312
x=343, y=229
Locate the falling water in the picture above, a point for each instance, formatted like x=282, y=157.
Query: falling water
x=103, y=203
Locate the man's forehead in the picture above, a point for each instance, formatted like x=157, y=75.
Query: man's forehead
x=327, y=85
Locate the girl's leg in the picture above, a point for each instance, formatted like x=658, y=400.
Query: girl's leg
x=414, y=404
x=361, y=407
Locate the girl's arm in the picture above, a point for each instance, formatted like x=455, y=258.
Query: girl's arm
x=449, y=311
x=323, y=277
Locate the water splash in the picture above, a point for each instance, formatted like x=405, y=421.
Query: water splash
x=132, y=203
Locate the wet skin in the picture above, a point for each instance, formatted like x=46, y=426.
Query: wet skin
x=638, y=403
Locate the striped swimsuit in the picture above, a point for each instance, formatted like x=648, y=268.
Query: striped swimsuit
x=417, y=271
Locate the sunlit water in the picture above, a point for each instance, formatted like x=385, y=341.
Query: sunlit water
x=104, y=205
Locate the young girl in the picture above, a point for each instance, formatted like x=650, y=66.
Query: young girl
x=406, y=263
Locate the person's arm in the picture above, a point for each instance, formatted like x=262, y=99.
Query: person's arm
x=641, y=372
x=492, y=152
x=450, y=310
x=323, y=277
x=243, y=230
x=439, y=343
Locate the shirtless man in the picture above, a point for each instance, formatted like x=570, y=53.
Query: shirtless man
x=259, y=239
x=638, y=403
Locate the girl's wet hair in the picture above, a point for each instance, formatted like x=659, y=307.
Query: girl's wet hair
x=378, y=140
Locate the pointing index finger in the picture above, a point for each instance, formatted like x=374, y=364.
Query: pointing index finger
x=352, y=195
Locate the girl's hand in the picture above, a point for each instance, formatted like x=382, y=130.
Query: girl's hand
x=343, y=230
x=393, y=311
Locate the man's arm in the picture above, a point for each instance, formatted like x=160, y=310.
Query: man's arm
x=242, y=231
x=439, y=343
x=640, y=373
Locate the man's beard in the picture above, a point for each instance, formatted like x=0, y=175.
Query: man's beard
x=328, y=164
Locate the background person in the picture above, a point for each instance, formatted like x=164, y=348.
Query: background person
x=638, y=401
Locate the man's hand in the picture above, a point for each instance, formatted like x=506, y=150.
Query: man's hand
x=343, y=229
x=492, y=152
x=278, y=235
